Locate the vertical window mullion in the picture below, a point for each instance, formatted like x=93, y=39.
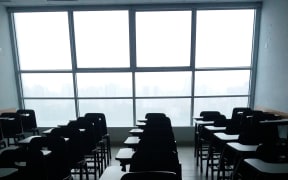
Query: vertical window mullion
x=73, y=59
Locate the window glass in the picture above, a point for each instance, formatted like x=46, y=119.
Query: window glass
x=209, y=83
x=224, y=38
x=163, y=38
x=47, y=85
x=178, y=110
x=104, y=84
x=163, y=84
x=43, y=40
x=52, y=112
x=118, y=112
x=224, y=105
x=102, y=39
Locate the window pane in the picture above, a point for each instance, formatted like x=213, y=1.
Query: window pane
x=224, y=105
x=43, y=40
x=209, y=83
x=102, y=39
x=163, y=38
x=163, y=84
x=104, y=84
x=118, y=112
x=50, y=113
x=178, y=110
x=224, y=38
x=47, y=85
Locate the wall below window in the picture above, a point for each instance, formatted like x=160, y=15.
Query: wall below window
x=8, y=92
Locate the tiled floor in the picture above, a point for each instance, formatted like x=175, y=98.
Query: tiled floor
x=186, y=157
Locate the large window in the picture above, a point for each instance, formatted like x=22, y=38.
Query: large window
x=128, y=62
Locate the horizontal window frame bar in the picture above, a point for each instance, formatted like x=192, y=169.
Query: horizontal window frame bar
x=139, y=7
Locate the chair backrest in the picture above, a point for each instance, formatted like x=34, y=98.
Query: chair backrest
x=35, y=168
x=205, y=113
x=28, y=118
x=273, y=152
x=11, y=127
x=155, y=161
x=94, y=118
x=150, y=175
x=88, y=135
x=75, y=144
x=57, y=161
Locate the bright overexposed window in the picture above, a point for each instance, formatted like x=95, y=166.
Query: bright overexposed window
x=43, y=40
x=52, y=112
x=102, y=39
x=47, y=85
x=178, y=110
x=224, y=38
x=224, y=105
x=232, y=82
x=104, y=84
x=163, y=38
x=118, y=112
x=163, y=83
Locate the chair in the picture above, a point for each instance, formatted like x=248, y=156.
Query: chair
x=150, y=175
x=91, y=153
x=75, y=149
x=12, y=128
x=2, y=139
x=155, y=161
x=29, y=121
x=34, y=167
x=101, y=135
x=204, y=136
x=103, y=132
x=57, y=161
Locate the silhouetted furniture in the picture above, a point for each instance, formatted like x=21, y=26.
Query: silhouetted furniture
x=2, y=139
x=57, y=161
x=150, y=175
x=32, y=166
x=29, y=122
x=91, y=152
x=105, y=136
x=12, y=128
x=75, y=149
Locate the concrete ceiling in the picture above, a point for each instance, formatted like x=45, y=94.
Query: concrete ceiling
x=105, y=2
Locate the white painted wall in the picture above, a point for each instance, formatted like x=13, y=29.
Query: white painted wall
x=272, y=73
x=8, y=91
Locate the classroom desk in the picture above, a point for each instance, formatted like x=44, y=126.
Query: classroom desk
x=6, y=173
x=132, y=141
x=231, y=155
x=258, y=169
x=112, y=173
x=141, y=125
x=124, y=155
x=136, y=132
x=198, y=123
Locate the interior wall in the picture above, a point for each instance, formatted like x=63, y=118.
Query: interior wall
x=271, y=84
x=8, y=91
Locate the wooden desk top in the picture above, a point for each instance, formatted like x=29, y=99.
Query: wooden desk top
x=6, y=172
x=26, y=140
x=124, y=154
x=213, y=128
x=112, y=173
x=132, y=140
x=136, y=132
x=267, y=168
x=226, y=137
x=200, y=122
x=241, y=147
